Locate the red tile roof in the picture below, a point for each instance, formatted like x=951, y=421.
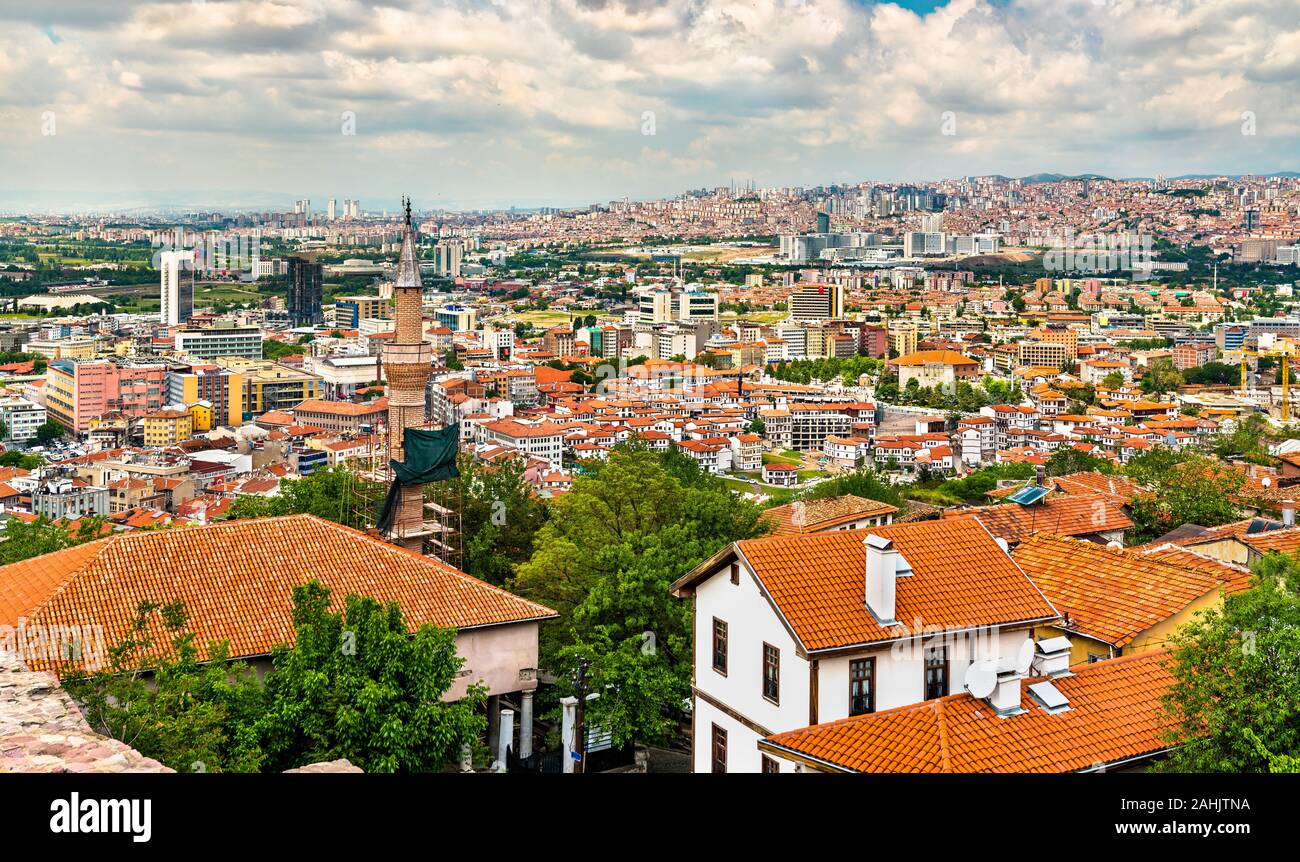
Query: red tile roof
x=235, y=580
x=1110, y=594
x=960, y=578
x=1062, y=515
x=811, y=516
x=1114, y=715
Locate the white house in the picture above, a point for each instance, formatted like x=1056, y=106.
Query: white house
x=797, y=630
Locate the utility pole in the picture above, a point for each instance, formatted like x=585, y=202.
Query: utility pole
x=580, y=729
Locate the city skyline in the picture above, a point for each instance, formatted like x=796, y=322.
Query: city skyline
x=470, y=106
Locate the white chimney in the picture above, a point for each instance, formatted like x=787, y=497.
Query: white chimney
x=882, y=576
x=1052, y=657
x=1006, y=694
x=1288, y=512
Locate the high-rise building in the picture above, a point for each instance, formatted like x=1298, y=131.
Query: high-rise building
x=330, y=211
x=407, y=365
x=176, y=292
x=449, y=256
x=817, y=302
x=305, y=292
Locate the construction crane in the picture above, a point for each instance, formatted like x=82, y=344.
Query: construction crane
x=1282, y=349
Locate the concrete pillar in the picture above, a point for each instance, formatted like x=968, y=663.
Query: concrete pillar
x=568, y=728
x=494, y=723
x=466, y=758
x=506, y=736
x=526, y=725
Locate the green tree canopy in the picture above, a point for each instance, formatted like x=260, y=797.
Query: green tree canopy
x=1186, y=488
x=336, y=494
x=358, y=684
x=500, y=516
x=1235, y=702
x=628, y=528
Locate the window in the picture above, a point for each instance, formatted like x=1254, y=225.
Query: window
x=936, y=672
x=719, y=749
x=771, y=673
x=862, y=686
x=1093, y=657
x=720, y=646
x=735, y=573
x=770, y=765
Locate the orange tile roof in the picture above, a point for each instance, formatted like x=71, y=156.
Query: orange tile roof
x=235, y=579
x=961, y=578
x=341, y=408
x=1064, y=515
x=1098, y=483
x=1285, y=541
x=811, y=516
x=1110, y=594
x=1114, y=715
x=924, y=357
x=1234, y=578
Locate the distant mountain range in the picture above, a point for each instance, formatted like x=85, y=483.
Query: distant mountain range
x=1056, y=178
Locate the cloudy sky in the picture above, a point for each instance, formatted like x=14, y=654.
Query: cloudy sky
x=468, y=103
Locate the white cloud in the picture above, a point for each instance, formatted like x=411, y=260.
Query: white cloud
x=519, y=100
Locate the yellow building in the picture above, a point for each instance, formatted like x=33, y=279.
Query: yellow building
x=76, y=347
x=1121, y=601
x=220, y=388
x=168, y=427
x=201, y=414
x=903, y=338
x=272, y=386
x=1044, y=353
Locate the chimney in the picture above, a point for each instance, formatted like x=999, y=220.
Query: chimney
x=882, y=574
x=1052, y=657
x=1288, y=513
x=1040, y=473
x=1006, y=693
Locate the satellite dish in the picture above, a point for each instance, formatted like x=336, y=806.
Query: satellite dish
x=1266, y=481
x=981, y=678
x=1025, y=657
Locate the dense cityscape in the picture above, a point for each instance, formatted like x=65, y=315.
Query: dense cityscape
x=976, y=474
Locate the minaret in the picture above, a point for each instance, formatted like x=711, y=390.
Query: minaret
x=407, y=365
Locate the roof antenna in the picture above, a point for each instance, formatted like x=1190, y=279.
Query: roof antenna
x=407, y=203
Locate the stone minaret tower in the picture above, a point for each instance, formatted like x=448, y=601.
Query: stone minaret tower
x=407, y=365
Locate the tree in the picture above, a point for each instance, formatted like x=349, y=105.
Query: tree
x=865, y=483
x=23, y=540
x=1195, y=489
x=277, y=350
x=156, y=697
x=358, y=684
x=1161, y=377
x=1235, y=701
x=49, y=432
x=1068, y=460
x=1113, y=380
x=973, y=487
x=626, y=530
x=336, y=494
x=500, y=516
x=14, y=458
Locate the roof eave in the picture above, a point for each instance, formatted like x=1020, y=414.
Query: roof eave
x=684, y=586
x=827, y=650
